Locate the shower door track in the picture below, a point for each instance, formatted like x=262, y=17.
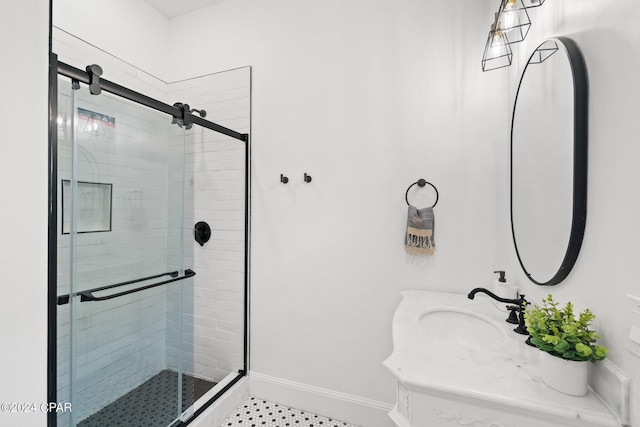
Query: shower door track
x=76, y=75
x=114, y=88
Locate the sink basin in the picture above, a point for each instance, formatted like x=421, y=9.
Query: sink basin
x=462, y=327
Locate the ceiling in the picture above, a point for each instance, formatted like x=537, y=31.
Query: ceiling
x=173, y=8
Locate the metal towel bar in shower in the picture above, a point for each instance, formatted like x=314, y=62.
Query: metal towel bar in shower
x=88, y=294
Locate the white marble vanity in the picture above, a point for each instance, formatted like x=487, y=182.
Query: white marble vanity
x=457, y=362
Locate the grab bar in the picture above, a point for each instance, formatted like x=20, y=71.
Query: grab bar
x=88, y=294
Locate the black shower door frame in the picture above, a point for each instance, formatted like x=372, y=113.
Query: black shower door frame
x=96, y=83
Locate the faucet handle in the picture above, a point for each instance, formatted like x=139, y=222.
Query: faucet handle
x=521, y=303
x=513, y=314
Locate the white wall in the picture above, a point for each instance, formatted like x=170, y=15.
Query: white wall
x=606, y=270
x=366, y=97
x=23, y=217
x=129, y=29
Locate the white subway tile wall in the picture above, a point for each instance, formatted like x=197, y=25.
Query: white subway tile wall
x=122, y=342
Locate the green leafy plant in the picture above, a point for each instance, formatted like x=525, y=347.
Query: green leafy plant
x=557, y=331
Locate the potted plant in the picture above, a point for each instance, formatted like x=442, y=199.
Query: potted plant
x=566, y=342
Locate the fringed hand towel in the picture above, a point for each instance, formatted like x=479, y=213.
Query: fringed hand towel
x=420, y=231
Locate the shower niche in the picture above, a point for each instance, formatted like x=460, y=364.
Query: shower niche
x=150, y=327
x=93, y=213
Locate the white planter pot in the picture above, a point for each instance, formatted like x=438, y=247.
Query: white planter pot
x=566, y=376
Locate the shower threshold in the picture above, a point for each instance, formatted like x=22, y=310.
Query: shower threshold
x=152, y=404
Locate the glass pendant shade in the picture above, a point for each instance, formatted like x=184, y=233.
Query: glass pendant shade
x=496, y=54
x=532, y=3
x=512, y=22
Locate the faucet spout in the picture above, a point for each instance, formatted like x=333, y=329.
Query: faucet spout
x=517, y=302
x=520, y=303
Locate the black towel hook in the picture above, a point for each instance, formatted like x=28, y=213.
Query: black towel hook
x=421, y=183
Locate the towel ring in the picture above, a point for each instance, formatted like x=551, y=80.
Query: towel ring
x=421, y=183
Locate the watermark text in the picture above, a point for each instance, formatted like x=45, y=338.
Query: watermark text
x=26, y=407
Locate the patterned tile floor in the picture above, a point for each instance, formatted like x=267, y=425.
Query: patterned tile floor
x=261, y=413
x=153, y=404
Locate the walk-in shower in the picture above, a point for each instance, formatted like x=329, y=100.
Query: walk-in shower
x=147, y=326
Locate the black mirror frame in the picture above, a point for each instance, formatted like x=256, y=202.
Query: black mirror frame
x=580, y=161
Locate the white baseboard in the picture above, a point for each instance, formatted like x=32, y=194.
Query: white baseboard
x=215, y=414
x=329, y=403
x=398, y=418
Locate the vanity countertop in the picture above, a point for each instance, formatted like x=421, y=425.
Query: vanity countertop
x=505, y=374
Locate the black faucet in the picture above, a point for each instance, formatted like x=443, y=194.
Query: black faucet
x=519, y=303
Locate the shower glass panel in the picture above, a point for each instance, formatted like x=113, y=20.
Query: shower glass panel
x=125, y=354
x=215, y=193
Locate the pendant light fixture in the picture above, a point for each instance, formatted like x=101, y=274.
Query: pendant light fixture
x=511, y=25
x=497, y=53
x=512, y=22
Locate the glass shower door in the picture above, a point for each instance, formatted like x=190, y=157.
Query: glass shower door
x=124, y=347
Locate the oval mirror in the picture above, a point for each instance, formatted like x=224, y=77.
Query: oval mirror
x=549, y=161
